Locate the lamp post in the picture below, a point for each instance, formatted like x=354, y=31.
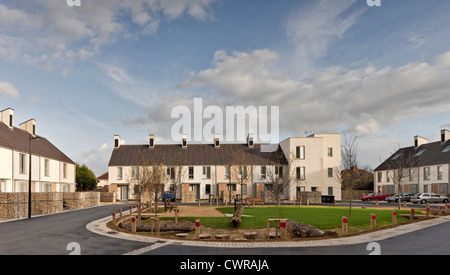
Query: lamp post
x=29, y=177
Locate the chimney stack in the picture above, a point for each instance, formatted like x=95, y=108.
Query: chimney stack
x=419, y=141
x=250, y=141
x=184, y=141
x=7, y=117
x=445, y=135
x=116, y=142
x=151, y=141
x=29, y=126
x=217, y=141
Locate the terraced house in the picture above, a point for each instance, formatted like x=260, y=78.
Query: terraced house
x=198, y=171
x=51, y=170
x=426, y=167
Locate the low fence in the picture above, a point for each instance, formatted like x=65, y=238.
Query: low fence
x=15, y=205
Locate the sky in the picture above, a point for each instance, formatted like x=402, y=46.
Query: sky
x=117, y=67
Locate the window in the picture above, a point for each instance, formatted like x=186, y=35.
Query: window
x=135, y=173
x=330, y=172
x=330, y=191
x=439, y=172
x=420, y=152
x=119, y=173
x=171, y=172
x=279, y=171
x=242, y=172
x=300, y=152
x=207, y=189
x=263, y=172
x=2, y=186
x=191, y=173
x=227, y=172
x=426, y=173
x=22, y=164
x=330, y=152
x=397, y=156
x=380, y=176
x=47, y=168
x=388, y=176
x=301, y=173
x=411, y=174
x=65, y=170
x=206, y=172
x=244, y=189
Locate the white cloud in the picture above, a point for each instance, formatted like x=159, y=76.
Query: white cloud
x=8, y=89
x=362, y=100
x=48, y=33
x=316, y=26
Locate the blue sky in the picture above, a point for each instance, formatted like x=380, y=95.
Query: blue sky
x=120, y=67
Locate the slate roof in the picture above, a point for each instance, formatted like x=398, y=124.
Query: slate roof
x=195, y=155
x=19, y=140
x=433, y=155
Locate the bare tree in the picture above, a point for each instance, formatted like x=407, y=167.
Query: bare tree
x=279, y=177
x=350, y=151
x=240, y=172
x=139, y=175
x=177, y=174
x=157, y=179
x=402, y=164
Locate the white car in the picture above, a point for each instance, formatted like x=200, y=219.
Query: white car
x=429, y=198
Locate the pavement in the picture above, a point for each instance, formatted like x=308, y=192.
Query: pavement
x=99, y=227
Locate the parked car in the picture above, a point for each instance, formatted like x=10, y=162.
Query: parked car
x=168, y=195
x=404, y=197
x=375, y=197
x=429, y=198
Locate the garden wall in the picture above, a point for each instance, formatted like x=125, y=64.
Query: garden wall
x=15, y=205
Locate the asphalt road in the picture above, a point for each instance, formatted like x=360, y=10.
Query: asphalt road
x=52, y=234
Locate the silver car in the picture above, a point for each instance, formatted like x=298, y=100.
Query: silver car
x=429, y=198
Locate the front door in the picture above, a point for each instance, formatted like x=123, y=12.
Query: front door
x=123, y=192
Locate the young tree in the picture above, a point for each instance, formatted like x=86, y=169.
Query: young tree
x=139, y=176
x=279, y=177
x=402, y=165
x=177, y=175
x=157, y=180
x=86, y=179
x=240, y=172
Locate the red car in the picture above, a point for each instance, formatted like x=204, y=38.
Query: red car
x=375, y=197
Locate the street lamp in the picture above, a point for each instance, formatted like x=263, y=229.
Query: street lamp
x=29, y=177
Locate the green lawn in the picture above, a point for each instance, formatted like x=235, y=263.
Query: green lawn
x=324, y=218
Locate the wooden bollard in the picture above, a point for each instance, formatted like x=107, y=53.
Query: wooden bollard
x=377, y=203
x=404, y=204
x=307, y=201
x=344, y=226
x=440, y=211
x=283, y=231
x=411, y=216
x=133, y=224
x=373, y=220
x=427, y=213
x=394, y=217
x=114, y=218
x=446, y=208
x=176, y=215
x=197, y=229
x=131, y=210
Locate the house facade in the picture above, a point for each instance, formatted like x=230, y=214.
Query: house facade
x=428, y=169
x=224, y=170
x=51, y=169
